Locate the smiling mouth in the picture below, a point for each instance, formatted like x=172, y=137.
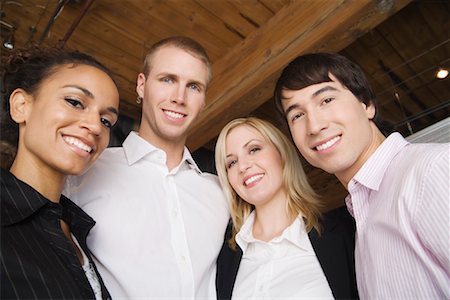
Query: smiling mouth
x=173, y=114
x=77, y=143
x=253, y=179
x=328, y=144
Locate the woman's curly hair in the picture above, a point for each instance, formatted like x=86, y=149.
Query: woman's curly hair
x=26, y=69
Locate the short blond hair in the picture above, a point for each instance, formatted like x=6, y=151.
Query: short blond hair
x=301, y=197
x=181, y=42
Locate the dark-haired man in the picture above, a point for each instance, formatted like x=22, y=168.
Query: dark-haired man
x=398, y=192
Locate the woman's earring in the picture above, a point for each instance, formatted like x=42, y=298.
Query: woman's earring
x=139, y=100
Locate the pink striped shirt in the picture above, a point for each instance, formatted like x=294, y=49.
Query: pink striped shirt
x=401, y=204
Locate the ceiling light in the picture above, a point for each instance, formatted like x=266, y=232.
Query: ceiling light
x=8, y=43
x=442, y=73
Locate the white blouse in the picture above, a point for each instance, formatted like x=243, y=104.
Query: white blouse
x=90, y=273
x=284, y=268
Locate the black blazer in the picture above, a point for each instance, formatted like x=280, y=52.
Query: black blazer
x=334, y=249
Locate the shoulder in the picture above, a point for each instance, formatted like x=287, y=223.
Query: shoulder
x=209, y=185
x=337, y=231
x=208, y=177
x=111, y=154
x=110, y=164
x=76, y=212
x=418, y=177
x=112, y=151
x=416, y=163
x=334, y=248
x=338, y=223
x=228, y=263
x=204, y=180
x=228, y=255
x=107, y=160
x=422, y=155
x=338, y=215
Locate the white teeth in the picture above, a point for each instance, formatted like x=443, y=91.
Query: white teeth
x=253, y=179
x=328, y=144
x=173, y=114
x=77, y=143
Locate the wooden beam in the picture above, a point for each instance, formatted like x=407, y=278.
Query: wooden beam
x=245, y=77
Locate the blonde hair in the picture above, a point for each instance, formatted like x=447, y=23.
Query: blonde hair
x=301, y=197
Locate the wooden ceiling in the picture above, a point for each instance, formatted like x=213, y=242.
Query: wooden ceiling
x=399, y=44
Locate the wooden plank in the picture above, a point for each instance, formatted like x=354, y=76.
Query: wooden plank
x=161, y=17
x=253, y=10
x=129, y=110
x=274, y=5
x=230, y=15
x=241, y=85
x=204, y=19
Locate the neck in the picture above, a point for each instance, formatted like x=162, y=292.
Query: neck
x=174, y=156
x=45, y=180
x=174, y=149
x=270, y=222
x=377, y=139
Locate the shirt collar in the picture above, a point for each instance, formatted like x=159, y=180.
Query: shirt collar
x=245, y=235
x=137, y=148
x=20, y=201
x=295, y=234
x=79, y=221
x=190, y=161
x=372, y=172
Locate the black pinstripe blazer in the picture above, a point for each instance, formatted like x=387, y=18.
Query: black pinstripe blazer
x=37, y=260
x=334, y=249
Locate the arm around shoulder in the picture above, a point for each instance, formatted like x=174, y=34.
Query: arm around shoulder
x=432, y=216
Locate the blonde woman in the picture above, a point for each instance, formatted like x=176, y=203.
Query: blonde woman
x=277, y=246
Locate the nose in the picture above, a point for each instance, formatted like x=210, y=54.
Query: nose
x=179, y=95
x=244, y=165
x=92, y=123
x=315, y=123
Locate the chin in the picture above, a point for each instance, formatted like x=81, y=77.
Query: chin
x=76, y=169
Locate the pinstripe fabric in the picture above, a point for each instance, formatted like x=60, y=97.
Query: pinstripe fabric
x=37, y=260
x=401, y=203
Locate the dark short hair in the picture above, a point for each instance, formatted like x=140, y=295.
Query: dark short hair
x=314, y=68
x=27, y=68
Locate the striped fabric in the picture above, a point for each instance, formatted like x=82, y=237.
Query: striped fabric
x=401, y=203
x=37, y=260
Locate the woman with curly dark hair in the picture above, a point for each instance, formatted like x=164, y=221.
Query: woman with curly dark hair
x=63, y=105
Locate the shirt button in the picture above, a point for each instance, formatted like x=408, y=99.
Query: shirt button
x=174, y=213
x=183, y=258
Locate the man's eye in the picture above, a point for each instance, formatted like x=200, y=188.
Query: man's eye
x=74, y=102
x=297, y=116
x=195, y=87
x=167, y=79
x=328, y=100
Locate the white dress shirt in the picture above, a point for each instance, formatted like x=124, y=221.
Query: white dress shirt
x=158, y=233
x=284, y=268
x=400, y=199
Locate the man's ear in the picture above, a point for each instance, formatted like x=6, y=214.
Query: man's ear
x=20, y=105
x=370, y=110
x=140, y=85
